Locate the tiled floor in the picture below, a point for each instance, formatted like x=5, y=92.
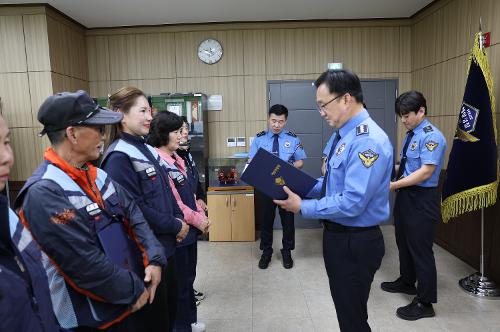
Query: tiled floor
x=241, y=297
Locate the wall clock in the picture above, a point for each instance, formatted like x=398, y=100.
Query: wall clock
x=210, y=51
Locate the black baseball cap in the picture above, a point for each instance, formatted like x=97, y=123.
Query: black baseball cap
x=66, y=109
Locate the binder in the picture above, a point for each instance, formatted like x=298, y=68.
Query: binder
x=268, y=174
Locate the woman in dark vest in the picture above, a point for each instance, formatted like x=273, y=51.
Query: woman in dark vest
x=165, y=135
x=137, y=167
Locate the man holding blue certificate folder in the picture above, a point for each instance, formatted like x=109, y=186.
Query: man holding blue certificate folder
x=285, y=145
x=352, y=198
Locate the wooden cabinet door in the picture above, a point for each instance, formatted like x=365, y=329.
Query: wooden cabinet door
x=219, y=209
x=242, y=219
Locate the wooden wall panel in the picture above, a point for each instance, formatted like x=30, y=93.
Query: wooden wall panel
x=254, y=52
x=150, y=86
x=252, y=128
x=298, y=51
x=155, y=55
x=123, y=57
x=219, y=132
x=12, y=51
x=15, y=94
x=40, y=85
x=23, y=144
x=186, y=50
x=490, y=11
x=37, y=46
x=232, y=91
x=405, y=51
x=98, y=58
x=255, y=98
x=99, y=88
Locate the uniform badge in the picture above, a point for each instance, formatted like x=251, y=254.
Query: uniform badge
x=431, y=145
x=368, y=158
x=428, y=129
x=291, y=133
x=413, y=145
x=64, y=217
x=287, y=144
x=362, y=129
x=261, y=133
x=340, y=149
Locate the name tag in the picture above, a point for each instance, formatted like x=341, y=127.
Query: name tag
x=93, y=209
x=151, y=172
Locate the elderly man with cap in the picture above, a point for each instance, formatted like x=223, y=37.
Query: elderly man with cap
x=101, y=258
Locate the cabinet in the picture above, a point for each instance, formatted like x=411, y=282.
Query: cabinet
x=232, y=214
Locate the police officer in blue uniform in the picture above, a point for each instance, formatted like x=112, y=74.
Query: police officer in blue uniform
x=285, y=145
x=416, y=209
x=353, y=196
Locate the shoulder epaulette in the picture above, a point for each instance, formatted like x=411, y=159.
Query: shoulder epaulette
x=428, y=129
x=291, y=133
x=262, y=133
x=362, y=129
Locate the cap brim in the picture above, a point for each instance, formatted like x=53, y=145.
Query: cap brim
x=104, y=117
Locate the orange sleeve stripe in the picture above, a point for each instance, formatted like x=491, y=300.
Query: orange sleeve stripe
x=117, y=320
x=66, y=278
x=131, y=233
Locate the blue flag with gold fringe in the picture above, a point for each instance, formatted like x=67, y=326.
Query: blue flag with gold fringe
x=471, y=180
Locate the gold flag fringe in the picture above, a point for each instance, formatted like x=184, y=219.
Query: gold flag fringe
x=485, y=195
x=469, y=200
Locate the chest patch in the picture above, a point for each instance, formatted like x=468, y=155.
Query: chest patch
x=93, y=209
x=368, y=158
x=431, y=145
x=150, y=172
x=413, y=145
x=287, y=144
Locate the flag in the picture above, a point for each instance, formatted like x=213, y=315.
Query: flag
x=471, y=180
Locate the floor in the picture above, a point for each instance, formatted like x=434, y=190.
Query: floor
x=241, y=297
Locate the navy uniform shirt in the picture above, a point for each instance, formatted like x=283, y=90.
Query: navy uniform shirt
x=357, y=191
x=290, y=148
x=427, y=147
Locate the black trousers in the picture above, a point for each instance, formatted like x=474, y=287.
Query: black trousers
x=185, y=260
x=160, y=315
x=266, y=211
x=416, y=212
x=351, y=260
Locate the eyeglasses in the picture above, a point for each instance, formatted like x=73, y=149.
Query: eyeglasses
x=323, y=107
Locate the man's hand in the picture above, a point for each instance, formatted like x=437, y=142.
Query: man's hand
x=205, y=225
x=202, y=204
x=153, y=278
x=141, y=301
x=183, y=232
x=292, y=203
x=392, y=186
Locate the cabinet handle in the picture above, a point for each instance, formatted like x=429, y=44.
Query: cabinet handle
x=227, y=201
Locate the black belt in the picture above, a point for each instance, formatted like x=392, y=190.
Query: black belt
x=418, y=188
x=334, y=227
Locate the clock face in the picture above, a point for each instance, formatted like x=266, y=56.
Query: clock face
x=210, y=51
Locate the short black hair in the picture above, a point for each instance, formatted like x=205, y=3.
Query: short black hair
x=162, y=125
x=56, y=137
x=279, y=109
x=341, y=81
x=410, y=101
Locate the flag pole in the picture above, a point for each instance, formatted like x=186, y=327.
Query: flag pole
x=478, y=284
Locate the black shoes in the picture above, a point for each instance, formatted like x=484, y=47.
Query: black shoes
x=398, y=286
x=415, y=310
x=264, y=261
x=287, y=259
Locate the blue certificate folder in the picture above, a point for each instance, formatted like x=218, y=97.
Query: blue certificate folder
x=269, y=174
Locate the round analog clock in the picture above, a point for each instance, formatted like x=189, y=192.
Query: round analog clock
x=210, y=51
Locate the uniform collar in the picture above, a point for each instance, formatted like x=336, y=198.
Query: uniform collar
x=422, y=124
x=280, y=135
x=353, y=122
x=132, y=138
x=172, y=159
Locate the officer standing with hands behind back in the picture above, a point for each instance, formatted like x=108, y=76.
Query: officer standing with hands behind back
x=416, y=209
x=285, y=145
x=352, y=197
